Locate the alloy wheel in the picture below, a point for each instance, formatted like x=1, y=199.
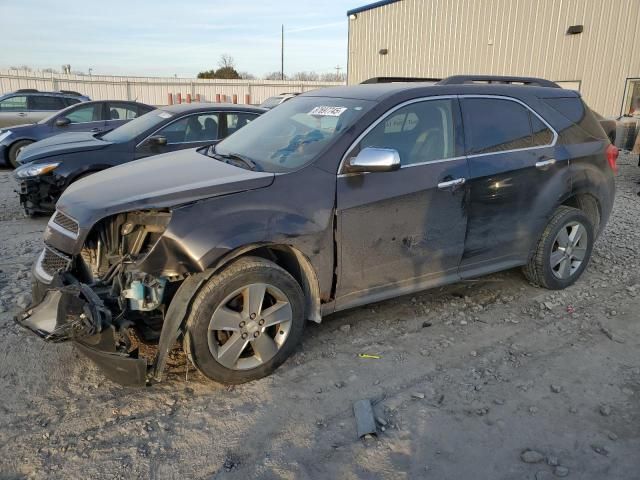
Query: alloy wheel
x=568, y=250
x=250, y=326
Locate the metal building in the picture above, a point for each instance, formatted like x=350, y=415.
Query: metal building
x=589, y=45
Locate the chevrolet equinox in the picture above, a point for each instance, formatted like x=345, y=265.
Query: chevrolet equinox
x=337, y=198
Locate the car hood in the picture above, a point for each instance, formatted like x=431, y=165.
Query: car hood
x=162, y=181
x=60, y=144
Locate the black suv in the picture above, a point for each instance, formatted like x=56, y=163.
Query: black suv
x=337, y=198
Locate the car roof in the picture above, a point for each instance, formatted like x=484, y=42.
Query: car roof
x=381, y=91
x=204, y=106
x=29, y=92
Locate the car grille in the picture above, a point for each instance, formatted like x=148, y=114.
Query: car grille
x=51, y=261
x=65, y=222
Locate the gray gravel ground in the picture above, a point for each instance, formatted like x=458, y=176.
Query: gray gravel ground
x=485, y=379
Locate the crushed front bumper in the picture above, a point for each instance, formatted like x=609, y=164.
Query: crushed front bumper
x=68, y=310
x=38, y=194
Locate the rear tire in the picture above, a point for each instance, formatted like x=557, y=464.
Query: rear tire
x=14, y=150
x=245, y=321
x=563, y=250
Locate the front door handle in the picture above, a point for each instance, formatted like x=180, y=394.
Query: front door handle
x=545, y=163
x=452, y=183
x=22, y=114
x=95, y=129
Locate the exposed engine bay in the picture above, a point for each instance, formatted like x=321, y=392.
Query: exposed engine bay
x=108, y=263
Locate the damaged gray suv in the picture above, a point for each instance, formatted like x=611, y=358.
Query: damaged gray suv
x=335, y=199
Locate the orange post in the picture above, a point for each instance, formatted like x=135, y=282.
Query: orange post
x=235, y=98
x=188, y=98
x=170, y=99
x=217, y=98
x=198, y=97
x=178, y=97
x=247, y=98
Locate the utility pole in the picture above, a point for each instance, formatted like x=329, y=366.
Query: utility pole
x=282, y=54
x=338, y=68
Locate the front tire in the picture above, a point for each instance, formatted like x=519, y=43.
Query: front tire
x=245, y=321
x=15, y=149
x=563, y=250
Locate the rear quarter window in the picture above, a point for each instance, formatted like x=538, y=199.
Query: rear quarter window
x=574, y=110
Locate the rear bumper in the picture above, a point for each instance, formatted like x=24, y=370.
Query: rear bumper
x=67, y=310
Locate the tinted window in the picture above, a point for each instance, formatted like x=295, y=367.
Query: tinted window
x=235, y=121
x=85, y=113
x=494, y=125
x=194, y=128
x=71, y=101
x=420, y=132
x=121, y=111
x=541, y=133
x=46, y=103
x=573, y=109
x=13, y=104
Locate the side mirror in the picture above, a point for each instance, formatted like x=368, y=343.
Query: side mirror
x=157, y=140
x=62, y=122
x=372, y=159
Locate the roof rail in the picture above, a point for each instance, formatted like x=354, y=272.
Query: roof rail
x=505, y=80
x=71, y=92
x=398, y=80
x=27, y=90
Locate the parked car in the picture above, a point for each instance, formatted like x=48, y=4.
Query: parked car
x=30, y=105
x=98, y=116
x=276, y=100
x=337, y=198
x=51, y=165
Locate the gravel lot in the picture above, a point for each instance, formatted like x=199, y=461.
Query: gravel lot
x=485, y=379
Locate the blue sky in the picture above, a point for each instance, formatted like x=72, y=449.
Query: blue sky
x=164, y=37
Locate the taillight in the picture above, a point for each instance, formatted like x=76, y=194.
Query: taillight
x=612, y=157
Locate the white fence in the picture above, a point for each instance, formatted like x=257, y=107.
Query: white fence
x=153, y=90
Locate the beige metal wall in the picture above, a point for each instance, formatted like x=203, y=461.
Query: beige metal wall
x=437, y=38
x=152, y=90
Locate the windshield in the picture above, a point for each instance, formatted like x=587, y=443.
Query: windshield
x=135, y=127
x=295, y=133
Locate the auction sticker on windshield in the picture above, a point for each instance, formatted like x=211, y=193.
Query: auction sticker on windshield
x=327, y=111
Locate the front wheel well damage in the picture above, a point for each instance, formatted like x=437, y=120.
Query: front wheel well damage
x=293, y=261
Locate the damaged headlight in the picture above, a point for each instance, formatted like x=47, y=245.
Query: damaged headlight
x=36, y=170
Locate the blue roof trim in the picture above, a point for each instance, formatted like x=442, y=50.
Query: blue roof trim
x=371, y=6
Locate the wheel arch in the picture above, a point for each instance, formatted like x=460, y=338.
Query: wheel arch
x=286, y=256
x=293, y=261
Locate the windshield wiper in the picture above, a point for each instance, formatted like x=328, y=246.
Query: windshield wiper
x=236, y=156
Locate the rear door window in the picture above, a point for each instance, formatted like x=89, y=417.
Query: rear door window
x=235, y=121
x=420, y=132
x=542, y=135
x=121, y=111
x=495, y=125
x=13, y=104
x=46, y=103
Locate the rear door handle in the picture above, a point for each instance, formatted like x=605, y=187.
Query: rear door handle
x=95, y=129
x=452, y=183
x=22, y=114
x=545, y=163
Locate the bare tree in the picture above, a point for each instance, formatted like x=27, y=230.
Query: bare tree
x=247, y=76
x=274, y=76
x=305, y=76
x=226, y=61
